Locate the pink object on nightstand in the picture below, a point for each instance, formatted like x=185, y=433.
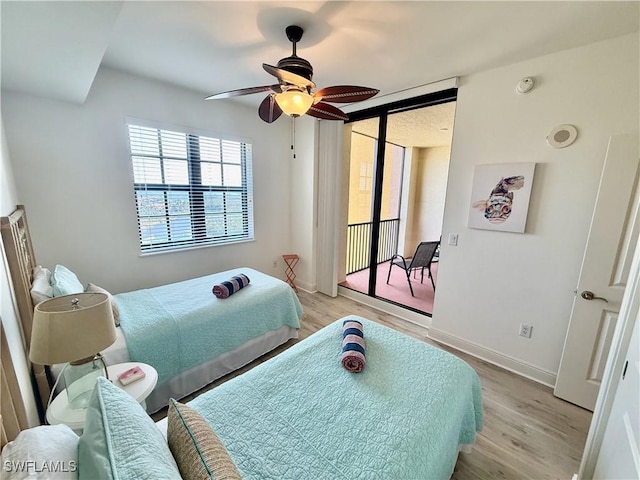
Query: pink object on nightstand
x=131, y=375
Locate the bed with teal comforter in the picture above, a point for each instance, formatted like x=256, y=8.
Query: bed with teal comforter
x=301, y=415
x=177, y=327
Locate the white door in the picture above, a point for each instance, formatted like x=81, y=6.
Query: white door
x=619, y=457
x=611, y=450
x=605, y=268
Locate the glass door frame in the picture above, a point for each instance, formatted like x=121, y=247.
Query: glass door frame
x=382, y=112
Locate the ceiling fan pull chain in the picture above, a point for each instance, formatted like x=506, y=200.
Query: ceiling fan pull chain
x=293, y=136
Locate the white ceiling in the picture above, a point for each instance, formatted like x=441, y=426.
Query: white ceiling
x=53, y=49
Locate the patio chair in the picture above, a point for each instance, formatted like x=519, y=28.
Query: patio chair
x=421, y=259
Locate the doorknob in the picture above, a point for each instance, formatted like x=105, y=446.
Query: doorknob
x=587, y=295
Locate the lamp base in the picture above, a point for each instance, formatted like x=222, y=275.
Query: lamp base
x=80, y=377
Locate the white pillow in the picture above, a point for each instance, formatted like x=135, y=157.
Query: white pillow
x=45, y=452
x=41, y=288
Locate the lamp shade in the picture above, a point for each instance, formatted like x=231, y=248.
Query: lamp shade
x=294, y=103
x=71, y=327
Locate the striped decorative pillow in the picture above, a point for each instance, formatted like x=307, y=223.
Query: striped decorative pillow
x=196, y=448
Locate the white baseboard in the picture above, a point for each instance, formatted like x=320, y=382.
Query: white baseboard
x=514, y=365
x=386, y=307
x=306, y=287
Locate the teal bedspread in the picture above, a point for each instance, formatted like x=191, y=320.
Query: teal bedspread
x=302, y=416
x=178, y=326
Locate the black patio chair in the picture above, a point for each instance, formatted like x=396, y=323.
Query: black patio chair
x=421, y=259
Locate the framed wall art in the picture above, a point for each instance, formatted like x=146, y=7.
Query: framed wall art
x=500, y=196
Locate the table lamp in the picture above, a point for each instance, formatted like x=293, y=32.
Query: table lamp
x=74, y=329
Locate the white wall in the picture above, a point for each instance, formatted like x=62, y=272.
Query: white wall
x=73, y=172
x=8, y=309
x=493, y=281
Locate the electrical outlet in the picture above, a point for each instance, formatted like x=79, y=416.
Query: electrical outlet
x=525, y=330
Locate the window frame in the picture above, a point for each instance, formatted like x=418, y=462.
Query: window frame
x=196, y=190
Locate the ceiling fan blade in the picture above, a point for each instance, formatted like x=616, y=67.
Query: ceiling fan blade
x=245, y=91
x=269, y=110
x=288, y=77
x=345, y=94
x=326, y=112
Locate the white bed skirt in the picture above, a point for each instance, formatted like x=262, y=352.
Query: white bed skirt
x=201, y=375
x=197, y=377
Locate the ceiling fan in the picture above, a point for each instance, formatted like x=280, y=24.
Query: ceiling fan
x=293, y=92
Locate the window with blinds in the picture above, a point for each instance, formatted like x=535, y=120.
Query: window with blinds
x=190, y=190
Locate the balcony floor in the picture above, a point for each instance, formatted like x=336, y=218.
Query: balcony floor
x=398, y=290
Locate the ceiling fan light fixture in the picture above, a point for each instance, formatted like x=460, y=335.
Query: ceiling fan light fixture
x=295, y=94
x=294, y=103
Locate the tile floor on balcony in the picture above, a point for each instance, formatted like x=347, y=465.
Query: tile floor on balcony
x=397, y=291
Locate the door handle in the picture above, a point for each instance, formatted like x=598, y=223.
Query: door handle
x=587, y=295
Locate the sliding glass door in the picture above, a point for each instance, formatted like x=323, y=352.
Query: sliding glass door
x=380, y=175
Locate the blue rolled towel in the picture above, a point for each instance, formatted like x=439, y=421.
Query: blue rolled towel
x=231, y=286
x=352, y=357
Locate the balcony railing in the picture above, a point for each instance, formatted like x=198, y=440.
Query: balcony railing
x=359, y=243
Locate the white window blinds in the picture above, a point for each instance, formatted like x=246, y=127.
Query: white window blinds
x=190, y=190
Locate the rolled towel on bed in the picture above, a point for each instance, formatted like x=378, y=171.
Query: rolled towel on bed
x=231, y=286
x=352, y=346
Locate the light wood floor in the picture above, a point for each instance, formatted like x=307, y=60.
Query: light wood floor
x=528, y=433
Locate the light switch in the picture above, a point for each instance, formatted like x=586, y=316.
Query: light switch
x=453, y=239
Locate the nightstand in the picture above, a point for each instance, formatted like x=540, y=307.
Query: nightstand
x=59, y=411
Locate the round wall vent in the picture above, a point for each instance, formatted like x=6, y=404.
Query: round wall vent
x=562, y=136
